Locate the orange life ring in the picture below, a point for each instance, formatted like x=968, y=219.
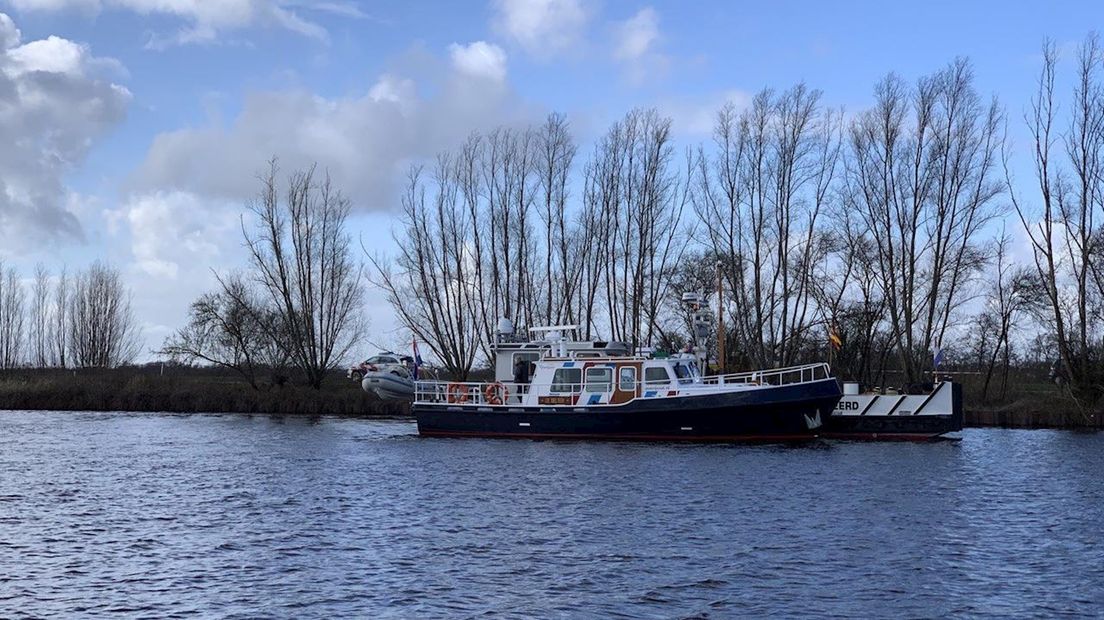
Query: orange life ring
x=456, y=393
x=496, y=393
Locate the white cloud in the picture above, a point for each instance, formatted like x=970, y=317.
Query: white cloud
x=541, y=27
x=55, y=5
x=696, y=118
x=174, y=240
x=53, y=106
x=9, y=34
x=170, y=231
x=635, y=46
x=208, y=18
x=179, y=215
x=365, y=141
x=392, y=89
x=50, y=55
x=637, y=35
x=479, y=59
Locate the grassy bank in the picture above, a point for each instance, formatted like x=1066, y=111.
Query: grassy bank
x=1032, y=413
x=1030, y=401
x=184, y=390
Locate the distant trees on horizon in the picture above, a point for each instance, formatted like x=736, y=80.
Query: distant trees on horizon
x=82, y=320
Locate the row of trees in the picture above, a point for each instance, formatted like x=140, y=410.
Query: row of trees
x=83, y=320
x=881, y=226
x=490, y=232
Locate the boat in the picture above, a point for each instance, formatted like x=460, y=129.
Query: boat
x=553, y=385
x=389, y=384
x=387, y=375
x=918, y=417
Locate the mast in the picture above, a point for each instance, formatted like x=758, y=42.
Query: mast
x=720, y=322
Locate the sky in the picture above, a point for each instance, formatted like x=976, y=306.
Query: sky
x=134, y=130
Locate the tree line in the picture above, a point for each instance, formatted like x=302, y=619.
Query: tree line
x=889, y=227
x=78, y=320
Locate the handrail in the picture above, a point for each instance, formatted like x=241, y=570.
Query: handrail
x=436, y=391
x=775, y=376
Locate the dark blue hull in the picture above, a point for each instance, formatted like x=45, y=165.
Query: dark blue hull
x=784, y=413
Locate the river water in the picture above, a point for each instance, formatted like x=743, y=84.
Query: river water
x=253, y=516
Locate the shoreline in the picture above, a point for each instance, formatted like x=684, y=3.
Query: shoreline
x=396, y=411
x=405, y=417
x=186, y=390
x=1031, y=419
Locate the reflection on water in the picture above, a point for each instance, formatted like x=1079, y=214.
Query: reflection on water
x=163, y=516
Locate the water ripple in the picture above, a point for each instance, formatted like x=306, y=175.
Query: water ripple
x=256, y=516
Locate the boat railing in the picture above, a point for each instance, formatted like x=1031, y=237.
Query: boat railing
x=507, y=392
x=775, y=376
x=487, y=392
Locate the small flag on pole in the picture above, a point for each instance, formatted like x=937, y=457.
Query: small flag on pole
x=834, y=337
x=417, y=359
x=937, y=356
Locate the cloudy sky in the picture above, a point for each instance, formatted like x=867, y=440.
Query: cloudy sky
x=133, y=130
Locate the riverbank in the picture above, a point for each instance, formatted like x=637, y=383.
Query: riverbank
x=184, y=390
x=1025, y=415
x=1030, y=401
x=213, y=390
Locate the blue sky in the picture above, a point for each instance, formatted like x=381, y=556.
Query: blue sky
x=166, y=108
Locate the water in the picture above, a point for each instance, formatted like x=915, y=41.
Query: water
x=238, y=516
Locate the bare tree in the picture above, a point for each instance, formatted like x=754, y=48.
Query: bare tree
x=102, y=330
x=638, y=197
x=488, y=235
x=556, y=151
x=39, y=332
x=920, y=175
x=695, y=273
x=12, y=298
x=232, y=329
x=589, y=263
x=434, y=282
x=510, y=185
x=1007, y=300
x=300, y=254
x=850, y=300
x=761, y=195
x=1066, y=233
x=59, y=325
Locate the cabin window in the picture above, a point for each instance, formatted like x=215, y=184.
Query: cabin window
x=530, y=358
x=566, y=380
x=599, y=379
x=683, y=373
x=656, y=376
x=626, y=379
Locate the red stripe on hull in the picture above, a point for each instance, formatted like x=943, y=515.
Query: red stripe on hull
x=919, y=437
x=697, y=438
